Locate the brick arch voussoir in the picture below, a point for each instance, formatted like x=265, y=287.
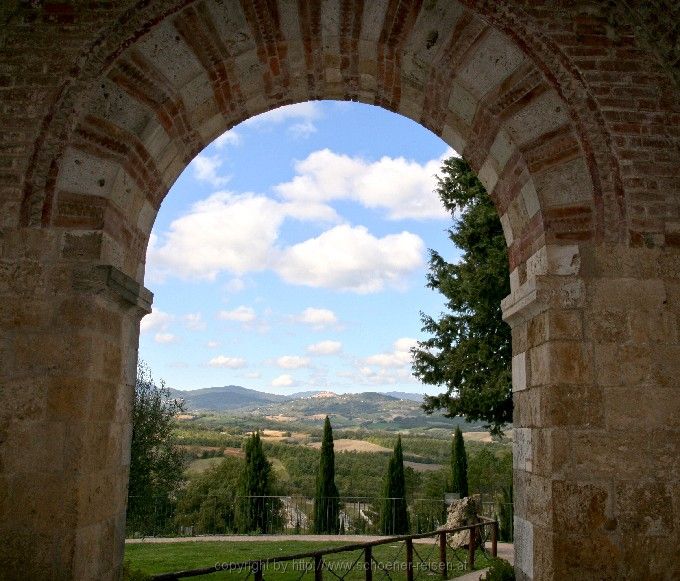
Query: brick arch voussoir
x=609, y=218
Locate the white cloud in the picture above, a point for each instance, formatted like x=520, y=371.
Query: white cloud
x=212, y=344
x=235, y=285
x=400, y=356
x=292, y=362
x=156, y=320
x=230, y=137
x=307, y=111
x=325, y=348
x=165, y=338
x=241, y=314
x=403, y=188
x=317, y=318
x=223, y=232
x=302, y=130
x=194, y=321
x=283, y=381
x=227, y=362
x=349, y=258
x=226, y=232
x=205, y=169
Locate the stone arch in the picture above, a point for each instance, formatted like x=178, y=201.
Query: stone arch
x=570, y=127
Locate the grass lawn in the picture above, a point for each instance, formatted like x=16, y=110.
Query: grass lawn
x=153, y=558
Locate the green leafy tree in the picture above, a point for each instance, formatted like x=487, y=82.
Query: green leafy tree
x=256, y=508
x=459, y=476
x=468, y=351
x=326, y=501
x=156, y=464
x=207, y=504
x=394, y=516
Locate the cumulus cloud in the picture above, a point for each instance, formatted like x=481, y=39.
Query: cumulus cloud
x=206, y=168
x=401, y=187
x=400, y=355
x=240, y=314
x=283, y=381
x=222, y=232
x=235, y=285
x=348, y=258
x=165, y=338
x=194, y=321
x=292, y=362
x=230, y=137
x=156, y=320
x=304, y=115
x=325, y=348
x=227, y=362
x=317, y=318
x=229, y=232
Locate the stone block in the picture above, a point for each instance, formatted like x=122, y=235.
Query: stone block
x=623, y=364
x=578, y=557
x=519, y=372
x=609, y=454
x=524, y=547
x=560, y=362
x=642, y=509
x=527, y=409
x=572, y=405
x=522, y=449
x=581, y=508
x=492, y=61
x=641, y=407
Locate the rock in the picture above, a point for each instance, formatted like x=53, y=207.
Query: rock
x=460, y=513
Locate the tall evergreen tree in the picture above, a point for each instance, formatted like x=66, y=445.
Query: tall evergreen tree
x=468, y=352
x=326, y=502
x=156, y=463
x=255, y=484
x=459, y=477
x=394, y=516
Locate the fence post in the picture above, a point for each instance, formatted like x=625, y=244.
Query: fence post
x=257, y=571
x=368, y=563
x=443, y=566
x=471, y=547
x=318, y=567
x=494, y=539
x=409, y=559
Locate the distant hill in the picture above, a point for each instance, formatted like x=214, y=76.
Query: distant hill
x=227, y=398
x=406, y=395
x=374, y=410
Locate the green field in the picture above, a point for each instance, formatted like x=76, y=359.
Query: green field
x=154, y=558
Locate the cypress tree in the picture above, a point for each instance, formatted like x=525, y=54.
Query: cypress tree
x=394, y=516
x=255, y=485
x=459, y=479
x=326, y=503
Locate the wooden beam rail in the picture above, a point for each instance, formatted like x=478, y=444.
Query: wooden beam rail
x=258, y=565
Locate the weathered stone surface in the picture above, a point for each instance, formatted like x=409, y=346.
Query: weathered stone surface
x=462, y=512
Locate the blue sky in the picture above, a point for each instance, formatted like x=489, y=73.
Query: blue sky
x=291, y=254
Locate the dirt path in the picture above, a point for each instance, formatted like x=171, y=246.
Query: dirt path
x=505, y=550
x=264, y=538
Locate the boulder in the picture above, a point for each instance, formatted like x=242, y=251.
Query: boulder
x=462, y=512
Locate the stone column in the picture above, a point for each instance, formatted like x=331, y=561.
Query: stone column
x=596, y=381
x=68, y=362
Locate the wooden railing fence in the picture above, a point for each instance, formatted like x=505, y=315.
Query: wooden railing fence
x=257, y=566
